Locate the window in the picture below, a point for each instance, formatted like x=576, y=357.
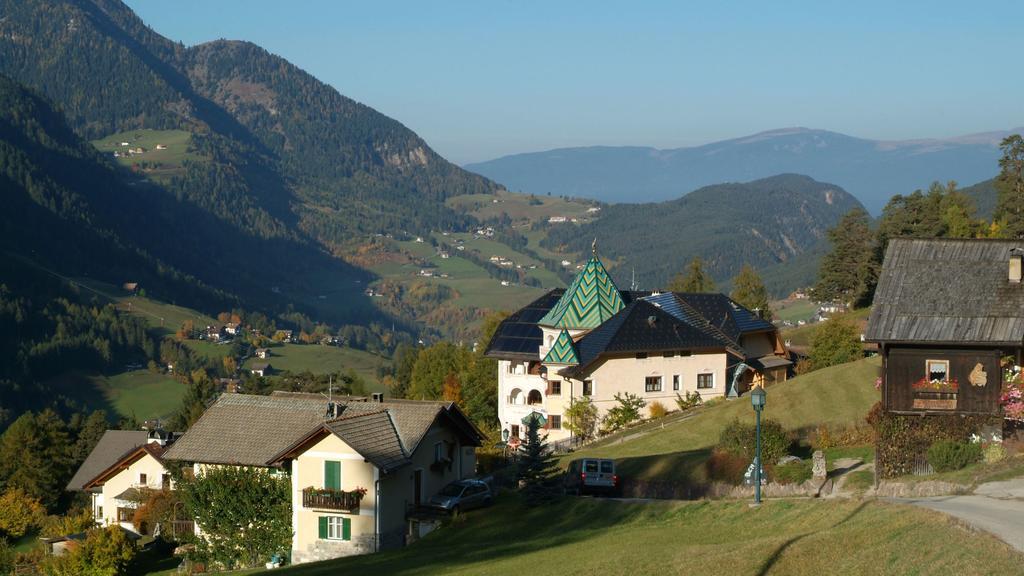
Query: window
x=335, y=528
x=142, y=479
x=125, y=514
x=652, y=384
x=641, y=355
x=556, y=387
x=607, y=467
x=588, y=388
x=938, y=370
x=439, y=452
x=515, y=431
x=165, y=481
x=555, y=421
x=332, y=474
x=675, y=382
x=705, y=381
x=590, y=466
x=534, y=398
x=99, y=513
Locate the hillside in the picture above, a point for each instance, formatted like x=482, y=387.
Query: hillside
x=776, y=224
x=985, y=196
x=871, y=170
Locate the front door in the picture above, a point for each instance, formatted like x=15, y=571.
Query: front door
x=417, y=482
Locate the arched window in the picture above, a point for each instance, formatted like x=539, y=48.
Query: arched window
x=516, y=397
x=534, y=397
x=551, y=340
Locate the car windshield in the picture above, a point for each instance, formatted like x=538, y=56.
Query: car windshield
x=452, y=490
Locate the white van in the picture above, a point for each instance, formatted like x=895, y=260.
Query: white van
x=591, y=476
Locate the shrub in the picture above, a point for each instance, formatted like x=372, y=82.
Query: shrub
x=994, y=452
x=792, y=472
x=904, y=438
x=949, y=455
x=836, y=341
x=824, y=437
x=691, y=400
x=582, y=418
x=739, y=438
x=625, y=413
x=657, y=410
x=19, y=513
x=726, y=467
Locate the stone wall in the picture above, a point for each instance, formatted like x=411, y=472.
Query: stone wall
x=327, y=549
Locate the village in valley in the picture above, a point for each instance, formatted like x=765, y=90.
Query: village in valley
x=250, y=325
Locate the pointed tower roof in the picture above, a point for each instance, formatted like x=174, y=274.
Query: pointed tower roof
x=591, y=299
x=563, y=351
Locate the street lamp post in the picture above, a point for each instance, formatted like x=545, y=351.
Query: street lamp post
x=757, y=400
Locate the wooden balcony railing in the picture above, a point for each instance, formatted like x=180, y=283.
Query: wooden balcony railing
x=328, y=499
x=179, y=528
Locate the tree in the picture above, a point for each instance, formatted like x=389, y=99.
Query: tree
x=104, y=552
x=89, y=435
x=846, y=273
x=34, y=456
x=582, y=418
x=452, y=391
x=432, y=365
x=19, y=513
x=625, y=412
x=749, y=291
x=836, y=341
x=536, y=466
x=694, y=279
x=404, y=361
x=1009, y=210
x=230, y=365
x=244, y=513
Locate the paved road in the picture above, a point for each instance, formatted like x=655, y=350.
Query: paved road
x=997, y=507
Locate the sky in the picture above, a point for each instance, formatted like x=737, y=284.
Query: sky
x=482, y=79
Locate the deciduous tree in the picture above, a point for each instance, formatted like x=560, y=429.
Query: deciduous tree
x=836, y=341
x=749, y=291
x=582, y=418
x=19, y=513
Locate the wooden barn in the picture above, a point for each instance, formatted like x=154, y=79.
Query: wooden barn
x=945, y=314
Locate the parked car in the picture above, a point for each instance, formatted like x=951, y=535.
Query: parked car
x=591, y=476
x=462, y=495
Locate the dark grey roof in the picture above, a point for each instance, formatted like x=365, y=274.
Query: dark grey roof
x=249, y=430
x=723, y=313
x=113, y=445
x=644, y=327
x=373, y=435
x=518, y=336
x=947, y=291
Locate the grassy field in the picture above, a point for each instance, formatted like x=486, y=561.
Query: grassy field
x=324, y=359
x=163, y=317
x=802, y=335
x=836, y=396
x=794, y=310
x=163, y=162
x=591, y=536
x=138, y=393
x=518, y=206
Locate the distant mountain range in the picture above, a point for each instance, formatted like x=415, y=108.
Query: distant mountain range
x=777, y=224
x=871, y=170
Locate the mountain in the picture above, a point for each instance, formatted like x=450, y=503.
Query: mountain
x=984, y=195
x=777, y=224
x=282, y=178
x=872, y=170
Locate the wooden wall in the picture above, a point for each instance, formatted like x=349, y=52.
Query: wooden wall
x=905, y=366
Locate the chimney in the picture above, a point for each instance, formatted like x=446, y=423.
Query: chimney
x=378, y=396
x=332, y=409
x=1016, y=265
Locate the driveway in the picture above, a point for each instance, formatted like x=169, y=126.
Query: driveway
x=996, y=507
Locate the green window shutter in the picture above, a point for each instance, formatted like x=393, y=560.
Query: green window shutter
x=332, y=475
x=346, y=528
x=323, y=527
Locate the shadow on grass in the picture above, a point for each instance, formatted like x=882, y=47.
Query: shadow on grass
x=771, y=560
x=675, y=475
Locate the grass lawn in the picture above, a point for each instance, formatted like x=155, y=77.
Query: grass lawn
x=138, y=392
x=794, y=310
x=593, y=536
x=518, y=206
x=162, y=317
x=169, y=160
x=324, y=359
x=802, y=335
x=839, y=396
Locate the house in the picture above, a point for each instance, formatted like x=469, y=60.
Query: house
x=359, y=471
x=161, y=146
x=566, y=263
x=945, y=314
x=445, y=255
x=593, y=209
x=283, y=336
x=263, y=353
x=119, y=471
x=594, y=340
x=557, y=219
x=229, y=385
x=130, y=287
x=214, y=333
x=232, y=328
x=260, y=369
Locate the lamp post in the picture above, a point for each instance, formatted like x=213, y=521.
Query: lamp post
x=757, y=399
x=504, y=439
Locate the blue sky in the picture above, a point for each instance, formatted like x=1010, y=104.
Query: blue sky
x=482, y=79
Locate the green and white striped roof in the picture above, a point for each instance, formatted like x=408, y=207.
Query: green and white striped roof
x=563, y=351
x=591, y=299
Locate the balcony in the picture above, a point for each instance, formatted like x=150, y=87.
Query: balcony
x=329, y=499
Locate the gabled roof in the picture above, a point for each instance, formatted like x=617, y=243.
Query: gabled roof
x=590, y=300
x=643, y=327
x=248, y=430
x=373, y=435
x=562, y=351
x=948, y=291
x=113, y=445
x=151, y=448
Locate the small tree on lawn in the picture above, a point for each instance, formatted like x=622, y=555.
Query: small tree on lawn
x=244, y=513
x=536, y=466
x=104, y=552
x=626, y=412
x=836, y=341
x=582, y=418
x=19, y=513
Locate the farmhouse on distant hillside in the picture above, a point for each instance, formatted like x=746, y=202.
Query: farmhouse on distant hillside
x=594, y=340
x=359, y=471
x=260, y=368
x=263, y=353
x=944, y=315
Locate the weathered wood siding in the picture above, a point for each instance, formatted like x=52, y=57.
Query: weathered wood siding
x=905, y=366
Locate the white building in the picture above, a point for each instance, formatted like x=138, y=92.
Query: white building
x=594, y=340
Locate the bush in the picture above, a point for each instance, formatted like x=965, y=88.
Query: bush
x=824, y=437
x=739, y=438
x=691, y=400
x=19, y=513
x=792, y=472
x=949, y=455
x=657, y=410
x=902, y=438
x=994, y=452
x=836, y=341
x=625, y=413
x=726, y=467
